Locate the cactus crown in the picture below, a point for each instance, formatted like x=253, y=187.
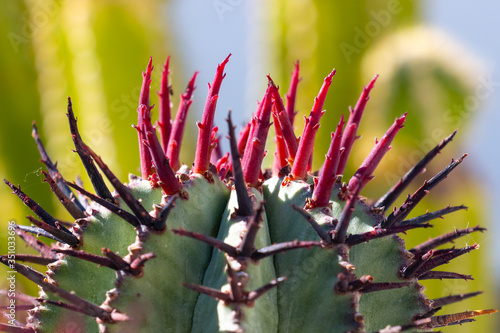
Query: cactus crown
x=203, y=250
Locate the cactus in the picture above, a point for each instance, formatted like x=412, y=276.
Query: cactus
x=229, y=247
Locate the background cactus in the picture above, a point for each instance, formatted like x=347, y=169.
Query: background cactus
x=363, y=278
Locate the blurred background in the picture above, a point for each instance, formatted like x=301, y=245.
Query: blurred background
x=437, y=60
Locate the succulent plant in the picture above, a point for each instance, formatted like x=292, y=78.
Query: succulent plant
x=229, y=247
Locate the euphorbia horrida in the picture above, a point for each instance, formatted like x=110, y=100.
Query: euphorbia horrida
x=228, y=246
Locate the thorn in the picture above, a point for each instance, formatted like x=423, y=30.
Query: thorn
x=60, y=304
x=124, y=192
x=138, y=263
x=283, y=247
x=218, y=244
x=388, y=199
x=33, y=242
x=306, y=144
x=418, y=261
x=36, y=208
x=115, y=260
x=51, y=167
x=99, y=260
x=161, y=221
x=85, y=202
x=285, y=171
x=360, y=283
x=433, y=215
x=38, y=232
x=214, y=293
x=243, y=137
x=380, y=232
x=434, y=275
x=145, y=156
x=26, y=271
x=438, y=252
x=284, y=125
x=244, y=203
x=19, y=307
x=324, y=235
x=443, y=239
x=168, y=182
x=292, y=94
x=146, y=83
x=95, y=177
x=456, y=318
x=40, y=260
x=454, y=298
x=352, y=125
x=222, y=166
x=236, y=288
x=164, y=113
x=175, y=141
x=130, y=218
x=365, y=171
x=253, y=295
x=64, y=237
x=18, y=296
x=71, y=204
x=345, y=217
x=373, y=287
x=40, y=279
x=397, y=216
x=430, y=313
x=251, y=161
x=327, y=176
x=216, y=154
x=444, y=258
x=247, y=246
x=202, y=155
x=280, y=159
